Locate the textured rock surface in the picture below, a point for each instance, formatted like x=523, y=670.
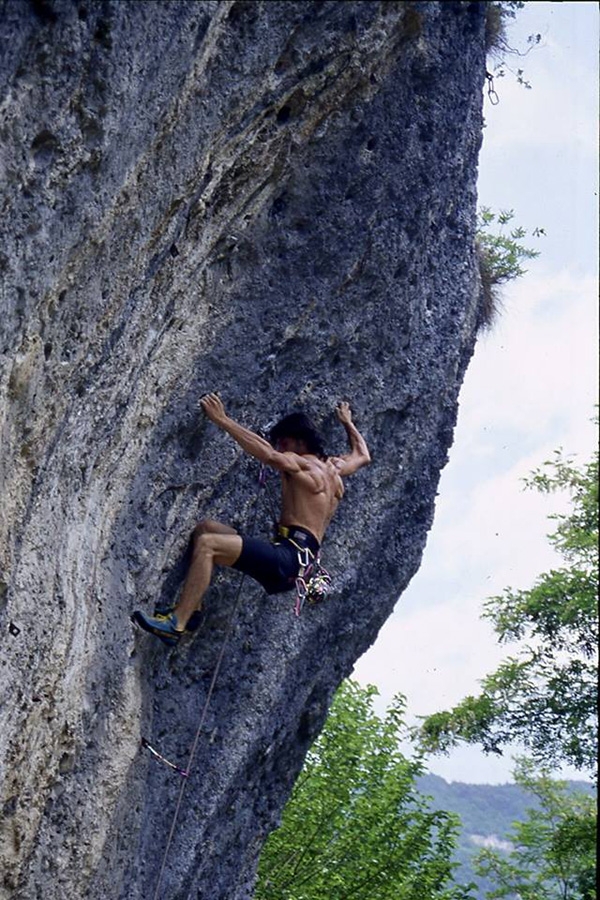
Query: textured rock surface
x=272, y=199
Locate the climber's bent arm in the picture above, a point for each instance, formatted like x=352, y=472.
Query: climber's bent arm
x=359, y=455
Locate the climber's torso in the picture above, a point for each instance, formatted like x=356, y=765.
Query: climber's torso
x=310, y=496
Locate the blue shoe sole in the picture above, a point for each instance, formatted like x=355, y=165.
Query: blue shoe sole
x=169, y=638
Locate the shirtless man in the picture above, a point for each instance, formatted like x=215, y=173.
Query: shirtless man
x=312, y=487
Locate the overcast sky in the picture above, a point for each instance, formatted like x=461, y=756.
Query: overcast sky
x=531, y=386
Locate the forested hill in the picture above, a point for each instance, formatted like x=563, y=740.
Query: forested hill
x=487, y=812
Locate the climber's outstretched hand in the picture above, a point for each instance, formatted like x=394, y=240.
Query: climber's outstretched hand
x=344, y=413
x=359, y=452
x=213, y=408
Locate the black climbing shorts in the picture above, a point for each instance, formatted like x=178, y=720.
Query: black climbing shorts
x=275, y=564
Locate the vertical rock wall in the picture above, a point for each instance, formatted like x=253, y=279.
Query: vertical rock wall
x=275, y=200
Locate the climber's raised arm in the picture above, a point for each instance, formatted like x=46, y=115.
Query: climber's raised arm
x=359, y=455
x=249, y=441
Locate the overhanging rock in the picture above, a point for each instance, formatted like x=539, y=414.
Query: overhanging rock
x=275, y=200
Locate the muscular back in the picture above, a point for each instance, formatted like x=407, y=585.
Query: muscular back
x=311, y=487
x=310, y=496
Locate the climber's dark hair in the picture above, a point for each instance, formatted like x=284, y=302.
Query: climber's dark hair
x=299, y=426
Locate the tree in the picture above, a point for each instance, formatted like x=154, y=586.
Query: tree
x=355, y=826
x=546, y=695
x=501, y=256
x=554, y=849
x=503, y=248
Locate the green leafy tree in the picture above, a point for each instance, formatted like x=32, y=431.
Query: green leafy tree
x=356, y=826
x=502, y=245
x=546, y=695
x=553, y=854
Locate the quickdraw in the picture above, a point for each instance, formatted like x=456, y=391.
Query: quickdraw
x=313, y=582
x=148, y=746
x=491, y=91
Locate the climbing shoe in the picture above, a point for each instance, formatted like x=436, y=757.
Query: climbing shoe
x=163, y=612
x=162, y=627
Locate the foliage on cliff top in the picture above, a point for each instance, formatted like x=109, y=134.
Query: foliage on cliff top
x=497, y=19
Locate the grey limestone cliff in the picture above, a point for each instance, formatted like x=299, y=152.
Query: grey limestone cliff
x=275, y=200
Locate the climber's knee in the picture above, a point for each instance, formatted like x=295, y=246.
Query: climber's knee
x=203, y=527
x=210, y=526
x=217, y=547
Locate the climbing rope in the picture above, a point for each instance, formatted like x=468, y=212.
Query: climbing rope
x=186, y=772
x=313, y=584
x=192, y=753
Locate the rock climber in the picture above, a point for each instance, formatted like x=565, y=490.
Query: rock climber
x=312, y=487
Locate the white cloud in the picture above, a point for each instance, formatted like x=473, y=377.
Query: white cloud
x=538, y=370
x=524, y=396
x=430, y=656
x=501, y=539
x=492, y=841
x=526, y=393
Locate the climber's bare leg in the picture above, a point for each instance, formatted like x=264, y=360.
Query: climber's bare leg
x=213, y=544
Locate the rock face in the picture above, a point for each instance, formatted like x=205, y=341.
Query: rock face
x=275, y=200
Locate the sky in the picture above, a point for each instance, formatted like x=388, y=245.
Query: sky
x=531, y=387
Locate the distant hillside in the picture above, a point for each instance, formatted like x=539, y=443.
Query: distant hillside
x=487, y=812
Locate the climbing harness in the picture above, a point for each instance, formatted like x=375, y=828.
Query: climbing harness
x=313, y=583
x=491, y=91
